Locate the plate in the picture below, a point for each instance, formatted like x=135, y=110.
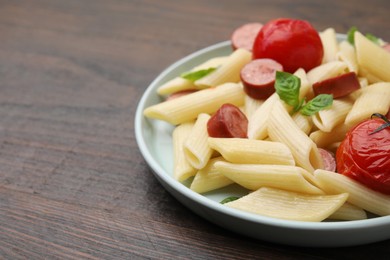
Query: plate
x=155, y=143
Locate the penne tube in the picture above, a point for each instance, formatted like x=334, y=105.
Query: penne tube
x=281, y=128
x=257, y=123
x=324, y=139
x=326, y=120
x=254, y=176
x=374, y=98
x=359, y=195
x=187, y=108
x=182, y=168
x=227, y=72
x=251, y=105
x=289, y=205
x=305, y=123
x=347, y=54
x=242, y=150
x=329, y=42
x=179, y=84
x=196, y=148
x=348, y=212
x=209, y=178
x=372, y=58
x=326, y=71
x=306, y=89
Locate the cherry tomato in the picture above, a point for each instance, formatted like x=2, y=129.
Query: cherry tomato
x=293, y=43
x=365, y=157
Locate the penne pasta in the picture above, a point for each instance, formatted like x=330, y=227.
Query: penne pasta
x=347, y=54
x=209, y=178
x=372, y=58
x=182, y=168
x=257, y=123
x=188, y=107
x=196, y=148
x=305, y=123
x=374, y=98
x=281, y=128
x=228, y=72
x=326, y=71
x=349, y=212
x=251, y=105
x=329, y=42
x=242, y=150
x=254, y=176
x=359, y=195
x=289, y=205
x=178, y=84
x=326, y=120
x=324, y=139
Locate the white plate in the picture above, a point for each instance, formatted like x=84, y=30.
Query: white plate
x=154, y=141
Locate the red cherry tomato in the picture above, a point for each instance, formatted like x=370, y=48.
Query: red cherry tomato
x=365, y=157
x=293, y=43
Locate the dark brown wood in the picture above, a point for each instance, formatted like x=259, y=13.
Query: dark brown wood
x=72, y=181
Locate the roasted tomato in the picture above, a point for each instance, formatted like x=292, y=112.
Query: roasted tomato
x=293, y=43
x=364, y=154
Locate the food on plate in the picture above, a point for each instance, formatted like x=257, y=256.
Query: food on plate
x=339, y=86
x=364, y=154
x=272, y=125
x=244, y=36
x=258, y=77
x=293, y=43
x=229, y=122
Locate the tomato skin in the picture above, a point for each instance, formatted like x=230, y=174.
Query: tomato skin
x=366, y=158
x=293, y=43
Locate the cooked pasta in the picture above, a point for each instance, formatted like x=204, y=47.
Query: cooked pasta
x=188, y=107
x=196, y=148
x=254, y=176
x=182, y=168
x=240, y=150
x=227, y=72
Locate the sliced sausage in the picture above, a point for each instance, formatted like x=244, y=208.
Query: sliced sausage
x=328, y=159
x=228, y=122
x=244, y=36
x=338, y=86
x=258, y=77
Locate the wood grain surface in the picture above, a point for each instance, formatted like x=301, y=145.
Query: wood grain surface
x=73, y=184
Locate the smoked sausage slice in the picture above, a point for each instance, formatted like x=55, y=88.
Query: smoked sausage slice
x=244, y=36
x=258, y=77
x=328, y=159
x=228, y=122
x=338, y=86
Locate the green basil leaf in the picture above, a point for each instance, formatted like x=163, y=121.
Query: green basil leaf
x=373, y=38
x=195, y=75
x=287, y=87
x=229, y=199
x=351, y=35
x=318, y=103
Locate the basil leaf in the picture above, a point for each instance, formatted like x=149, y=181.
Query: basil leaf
x=373, y=38
x=318, y=103
x=195, y=75
x=287, y=87
x=351, y=35
x=229, y=199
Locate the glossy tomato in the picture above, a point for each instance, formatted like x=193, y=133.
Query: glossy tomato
x=365, y=156
x=293, y=43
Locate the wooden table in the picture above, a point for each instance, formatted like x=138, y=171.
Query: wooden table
x=73, y=183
